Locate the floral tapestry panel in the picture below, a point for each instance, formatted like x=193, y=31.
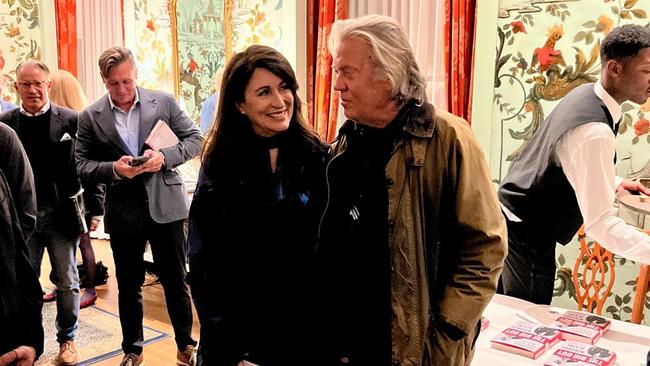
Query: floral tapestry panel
x=266, y=22
x=201, y=50
x=544, y=50
x=20, y=36
x=152, y=38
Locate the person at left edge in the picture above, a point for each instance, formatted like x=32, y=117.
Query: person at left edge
x=143, y=203
x=21, y=328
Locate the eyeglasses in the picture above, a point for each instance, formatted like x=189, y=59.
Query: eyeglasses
x=28, y=84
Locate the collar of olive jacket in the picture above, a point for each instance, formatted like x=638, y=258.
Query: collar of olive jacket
x=420, y=123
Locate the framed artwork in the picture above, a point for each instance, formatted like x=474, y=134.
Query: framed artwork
x=181, y=44
x=199, y=49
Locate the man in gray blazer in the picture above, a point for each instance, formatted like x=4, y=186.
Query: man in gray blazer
x=146, y=202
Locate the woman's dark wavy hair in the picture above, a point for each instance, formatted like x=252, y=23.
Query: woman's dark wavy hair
x=231, y=126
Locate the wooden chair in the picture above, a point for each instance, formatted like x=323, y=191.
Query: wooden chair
x=596, y=265
x=642, y=288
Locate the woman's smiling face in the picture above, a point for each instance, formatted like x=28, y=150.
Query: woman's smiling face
x=268, y=103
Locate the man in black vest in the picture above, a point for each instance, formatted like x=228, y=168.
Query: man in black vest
x=566, y=176
x=47, y=132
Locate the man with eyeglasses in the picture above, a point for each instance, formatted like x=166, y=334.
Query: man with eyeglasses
x=46, y=131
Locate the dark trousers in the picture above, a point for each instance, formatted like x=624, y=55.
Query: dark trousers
x=529, y=269
x=168, y=246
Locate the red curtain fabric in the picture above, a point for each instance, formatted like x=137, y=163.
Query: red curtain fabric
x=123, y=30
x=312, y=43
x=323, y=101
x=66, y=30
x=460, y=22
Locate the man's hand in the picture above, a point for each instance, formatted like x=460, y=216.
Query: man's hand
x=123, y=169
x=633, y=186
x=155, y=162
x=21, y=356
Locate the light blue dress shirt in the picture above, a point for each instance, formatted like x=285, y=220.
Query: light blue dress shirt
x=207, y=112
x=128, y=124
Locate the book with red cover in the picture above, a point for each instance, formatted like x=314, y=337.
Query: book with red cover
x=577, y=330
x=161, y=136
x=603, y=323
x=581, y=354
x=574, y=325
x=526, y=339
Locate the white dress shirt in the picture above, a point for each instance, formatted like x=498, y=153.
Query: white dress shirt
x=43, y=109
x=586, y=155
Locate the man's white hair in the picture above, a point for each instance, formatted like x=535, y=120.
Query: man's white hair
x=390, y=50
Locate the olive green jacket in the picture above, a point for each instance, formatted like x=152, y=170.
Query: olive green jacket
x=447, y=239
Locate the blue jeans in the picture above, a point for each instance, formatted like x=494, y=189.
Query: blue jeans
x=64, y=275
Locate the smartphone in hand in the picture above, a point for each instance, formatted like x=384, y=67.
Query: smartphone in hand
x=139, y=160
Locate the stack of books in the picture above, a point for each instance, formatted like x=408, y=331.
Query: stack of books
x=526, y=339
x=574, y=325
x=581, y=354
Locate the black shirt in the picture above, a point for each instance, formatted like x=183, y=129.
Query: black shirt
x=354, y=236
x=34, y=133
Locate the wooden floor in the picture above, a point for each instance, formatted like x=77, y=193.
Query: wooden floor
x=161, y=353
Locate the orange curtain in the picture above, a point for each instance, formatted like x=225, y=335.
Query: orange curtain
x=460, y=17
x=66, y=30
x=322, y=98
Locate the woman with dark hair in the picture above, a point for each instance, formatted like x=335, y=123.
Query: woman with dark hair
x=254, y=218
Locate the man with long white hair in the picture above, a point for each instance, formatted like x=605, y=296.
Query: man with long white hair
x=412, y=240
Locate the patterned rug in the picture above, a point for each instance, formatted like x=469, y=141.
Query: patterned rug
x=99, y=335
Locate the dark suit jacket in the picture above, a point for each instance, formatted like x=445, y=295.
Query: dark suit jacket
x=99, y=145
x=20, y=292
x=20, y=179
x=66, y=181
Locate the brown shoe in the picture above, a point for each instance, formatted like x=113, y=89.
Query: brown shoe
x=187, y=357
x=132, y=360
x=68, y=354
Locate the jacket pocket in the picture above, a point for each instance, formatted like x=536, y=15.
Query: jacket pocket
x=172, y=178
x=446, y=351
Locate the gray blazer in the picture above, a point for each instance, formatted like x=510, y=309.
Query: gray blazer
x=99, y=145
